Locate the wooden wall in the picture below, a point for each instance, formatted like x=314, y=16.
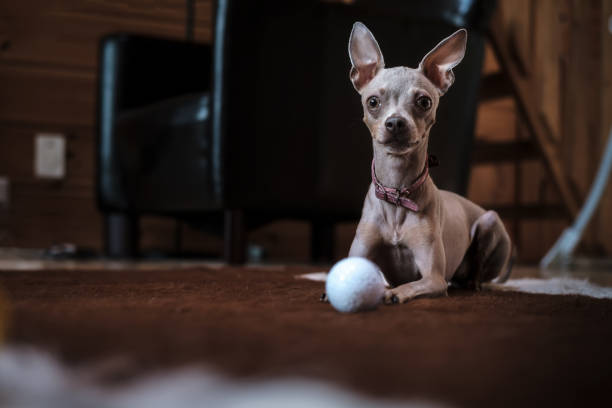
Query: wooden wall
x=48, y=54
x=563, y=49
x=605, y=215
x=48, y=60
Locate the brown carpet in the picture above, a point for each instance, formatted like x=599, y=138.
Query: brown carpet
x=468, y=349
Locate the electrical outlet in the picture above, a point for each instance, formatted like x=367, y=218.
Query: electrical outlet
x=50, y=156
x=5, y=190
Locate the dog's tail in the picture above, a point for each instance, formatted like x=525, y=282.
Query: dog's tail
x=506, y=274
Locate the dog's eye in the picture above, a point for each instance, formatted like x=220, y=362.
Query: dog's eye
x=373, y=102
x=424, y=102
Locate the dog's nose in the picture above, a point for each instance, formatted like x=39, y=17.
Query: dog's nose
x=395, y=124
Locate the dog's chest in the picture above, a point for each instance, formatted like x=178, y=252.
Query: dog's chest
x=402, y=229
x=397, y=263
x=396, y=253
x=396, y=237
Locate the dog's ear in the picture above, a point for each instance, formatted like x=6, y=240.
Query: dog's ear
x=438, y=64
x=366, y=58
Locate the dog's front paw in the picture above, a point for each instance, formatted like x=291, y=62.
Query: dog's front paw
x=413, y=290
x=392, y=298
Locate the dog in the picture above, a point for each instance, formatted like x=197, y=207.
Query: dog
x=421, y=238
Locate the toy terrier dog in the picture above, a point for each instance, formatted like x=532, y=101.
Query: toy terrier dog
x=421, y=238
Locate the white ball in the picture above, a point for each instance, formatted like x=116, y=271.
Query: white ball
x=354, y=284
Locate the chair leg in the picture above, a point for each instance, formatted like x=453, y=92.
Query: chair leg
x=234, y=237
x=121, y=235
x=322, y=241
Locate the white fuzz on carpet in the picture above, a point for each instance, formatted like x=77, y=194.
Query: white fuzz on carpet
x=547, y=286
x=314, y=276
x=556, y=286
x=33, y=379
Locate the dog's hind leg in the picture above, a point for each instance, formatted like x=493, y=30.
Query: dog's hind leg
x=493, y=249
x=488, y=256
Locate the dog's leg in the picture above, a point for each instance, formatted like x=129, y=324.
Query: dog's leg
x=432, y=286
x=491, y=249
x=431, y=262
x=365, y=240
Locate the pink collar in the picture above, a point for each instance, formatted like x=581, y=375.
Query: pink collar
x=400, y=196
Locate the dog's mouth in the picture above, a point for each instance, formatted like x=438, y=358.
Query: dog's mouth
x=398, y=148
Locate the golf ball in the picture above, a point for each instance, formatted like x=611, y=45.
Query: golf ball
x=354, y=284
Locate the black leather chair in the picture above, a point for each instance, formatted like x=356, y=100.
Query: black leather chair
x=265, y=123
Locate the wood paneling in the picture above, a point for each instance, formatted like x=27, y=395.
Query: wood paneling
x=604, y=221
x=284, y=240
x=492, y=184
x=490, y=64
x=196, y=241
x=517, y=18
x=48, y=96
x=496, y=121
x=48, y=64
x=550, y=52
x=536, y=237
x=536, y=186
x=42, y=214
x=18, y=142
x=563, y=53
x=581, y=110
x=65, y=33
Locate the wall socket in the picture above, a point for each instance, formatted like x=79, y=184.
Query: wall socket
x=5, y=193
x=50, y=155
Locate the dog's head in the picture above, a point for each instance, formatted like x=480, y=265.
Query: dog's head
x=400, y=103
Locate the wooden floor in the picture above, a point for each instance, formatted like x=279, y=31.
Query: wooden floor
x=475, y=349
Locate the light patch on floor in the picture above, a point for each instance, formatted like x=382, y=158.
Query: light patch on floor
x=547, y=286
x=314, y=276
x=33, y=379
x=556, y=286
